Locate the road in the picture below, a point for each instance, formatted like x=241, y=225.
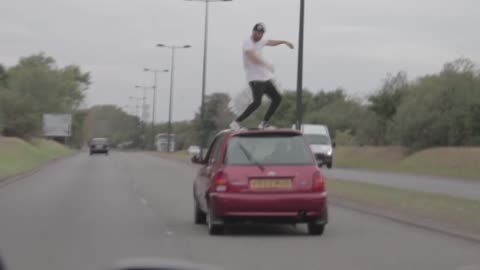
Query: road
x=468, y=189
x=88, y=212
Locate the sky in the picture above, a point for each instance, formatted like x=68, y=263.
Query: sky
x=348, y=43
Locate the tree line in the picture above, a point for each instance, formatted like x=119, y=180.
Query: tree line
x=439, y=109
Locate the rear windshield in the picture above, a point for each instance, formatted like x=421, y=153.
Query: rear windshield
x=99, y=140
x=317, y=139
x=268, y=150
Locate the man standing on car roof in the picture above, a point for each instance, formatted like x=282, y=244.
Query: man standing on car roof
x=259, y=75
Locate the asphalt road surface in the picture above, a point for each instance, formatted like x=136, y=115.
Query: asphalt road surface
x=88, y=212
x=461, y=188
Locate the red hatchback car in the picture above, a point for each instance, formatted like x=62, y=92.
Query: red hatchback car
x=267, y=176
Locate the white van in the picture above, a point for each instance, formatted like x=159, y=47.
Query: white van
x=318, y=137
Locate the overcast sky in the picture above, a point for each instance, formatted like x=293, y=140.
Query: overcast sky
x=348, y=43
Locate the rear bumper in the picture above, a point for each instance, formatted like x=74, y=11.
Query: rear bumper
x=95, y=151
x=278, y=208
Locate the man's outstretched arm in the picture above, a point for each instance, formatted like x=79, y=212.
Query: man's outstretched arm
x=273, y=43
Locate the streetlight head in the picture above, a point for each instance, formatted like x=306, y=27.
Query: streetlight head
x=137, y=86
x=160, y=45
x=187, y=46
x=165, y=70
x=146, y=69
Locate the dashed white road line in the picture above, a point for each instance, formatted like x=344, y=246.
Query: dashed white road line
x=145, y=202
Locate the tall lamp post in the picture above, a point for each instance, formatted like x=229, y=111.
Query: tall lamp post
x=300, y=66
x=154, y=101
x=137, y=101
x=204, y=76
x=172, y=73
x=144, y=116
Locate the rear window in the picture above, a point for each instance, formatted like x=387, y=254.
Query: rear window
x=317, y=139
x=99, y=140
x=268, y=150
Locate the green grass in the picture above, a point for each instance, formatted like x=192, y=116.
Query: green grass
x=461, y=213
x=17, y=156
x=461, y=162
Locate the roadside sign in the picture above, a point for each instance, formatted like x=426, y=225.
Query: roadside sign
x=57, y=125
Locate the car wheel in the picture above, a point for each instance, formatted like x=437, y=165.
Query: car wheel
x=315, y=229
x=329, y=165
x=200, y=216
x=91, y=153
x=214, y=229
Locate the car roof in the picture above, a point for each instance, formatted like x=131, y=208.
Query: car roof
x=281, y=131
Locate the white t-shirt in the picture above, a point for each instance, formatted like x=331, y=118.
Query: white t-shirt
x=254, y=71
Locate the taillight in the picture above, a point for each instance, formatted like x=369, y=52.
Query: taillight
x=318, y=182
x=220, y=182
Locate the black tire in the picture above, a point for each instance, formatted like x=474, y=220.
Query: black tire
x=106, y=153
x=200, y=216
x=214, y=229
x=91, y=153
x=329, y=165
x=315, y=229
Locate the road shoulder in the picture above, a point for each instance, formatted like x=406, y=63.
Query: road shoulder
x=21, y=175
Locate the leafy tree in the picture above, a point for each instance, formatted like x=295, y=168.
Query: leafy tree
x=54, y=89
x=217, y=116
x=36, y=86
x=385, y=103
x=3, y=76
x=113, y=123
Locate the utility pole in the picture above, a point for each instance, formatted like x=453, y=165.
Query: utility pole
x=300, y=66
x=204, y=72
x=154, y=101
x=172, y=76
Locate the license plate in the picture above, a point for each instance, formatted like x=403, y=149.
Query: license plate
x=270, y=183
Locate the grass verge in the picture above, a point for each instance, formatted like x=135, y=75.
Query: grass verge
x=457, y=162
x=18, y=156
x=456, y=213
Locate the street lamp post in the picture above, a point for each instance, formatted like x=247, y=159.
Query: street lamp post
x=204, y=76
x=137, y=104
x=172, y=73
x=300, y=65
x=144, y=116
x=137, y=114
x=154, y=102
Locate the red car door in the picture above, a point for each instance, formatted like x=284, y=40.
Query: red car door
x=207, y=171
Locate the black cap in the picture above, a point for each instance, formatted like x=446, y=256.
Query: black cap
x=259, y=27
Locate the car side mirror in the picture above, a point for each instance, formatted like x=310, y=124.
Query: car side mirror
x=334, y=144
x=197, y=159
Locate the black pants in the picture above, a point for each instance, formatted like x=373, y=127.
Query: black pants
x=258, y=89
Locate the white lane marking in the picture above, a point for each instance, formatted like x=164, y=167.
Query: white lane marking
x=143, y=201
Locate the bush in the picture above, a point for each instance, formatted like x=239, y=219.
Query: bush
x=19, y=119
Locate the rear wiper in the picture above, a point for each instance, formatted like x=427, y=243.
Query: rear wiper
x=250, y=157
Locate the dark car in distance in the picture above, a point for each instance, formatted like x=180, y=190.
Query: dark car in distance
x=264, y=176
x=98, y=146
